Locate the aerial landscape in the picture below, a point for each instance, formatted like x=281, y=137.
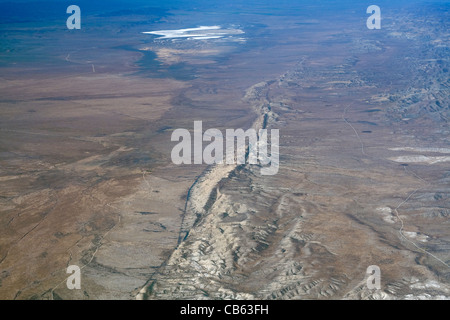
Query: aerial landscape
x=344, y=162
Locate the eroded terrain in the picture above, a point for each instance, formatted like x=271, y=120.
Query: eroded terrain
x=86, y=176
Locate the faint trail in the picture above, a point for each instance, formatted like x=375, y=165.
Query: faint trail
x=93, y=255
x=148, y=184
x=402, y=235
x=47, y=213
x=356, y=132
x=402, y=223
x=88, y=106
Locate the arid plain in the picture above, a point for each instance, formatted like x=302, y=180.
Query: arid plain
x=86, y=176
